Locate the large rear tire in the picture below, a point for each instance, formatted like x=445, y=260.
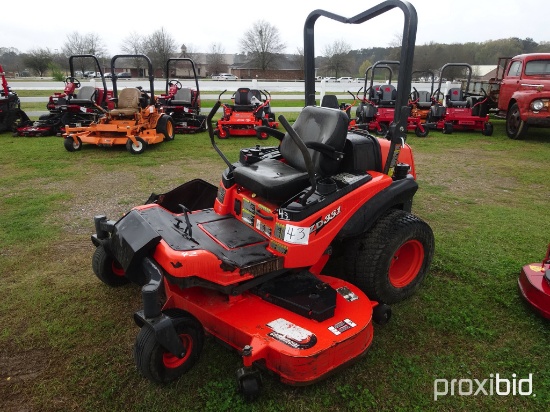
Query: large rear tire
x=166, y=127
x=390, y=262
x=155, y=363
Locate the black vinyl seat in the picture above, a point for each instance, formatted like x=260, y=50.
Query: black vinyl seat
x=330, y=100
x=387, y=95
x=182, y=97
x=323, y=131
x=455, y=98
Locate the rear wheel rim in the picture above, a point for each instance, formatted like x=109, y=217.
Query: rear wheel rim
x=117, y=269
x=172, y=362
x=406, y=263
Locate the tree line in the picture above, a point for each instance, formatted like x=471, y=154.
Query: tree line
x=263, y=49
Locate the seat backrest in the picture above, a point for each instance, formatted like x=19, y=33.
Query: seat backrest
x=129, y=98
x=242, y=96
x=330, y=100
x=86, y=93
x=424, y=96
x=455, y=94
x=321, y=125
x=183, y=95
x=388, y=92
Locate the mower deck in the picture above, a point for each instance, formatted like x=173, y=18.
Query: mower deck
x=117, y=132
x=300, y=350
x=534, y=285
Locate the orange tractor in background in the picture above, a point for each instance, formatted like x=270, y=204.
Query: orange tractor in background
x=135, y=122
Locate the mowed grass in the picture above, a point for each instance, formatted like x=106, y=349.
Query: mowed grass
x=66, y=339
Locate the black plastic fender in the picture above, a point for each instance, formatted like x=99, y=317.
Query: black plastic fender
x=398, y=195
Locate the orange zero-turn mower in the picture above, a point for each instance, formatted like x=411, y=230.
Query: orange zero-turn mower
x=244, y=262
x=135, y=122
x=534, y=285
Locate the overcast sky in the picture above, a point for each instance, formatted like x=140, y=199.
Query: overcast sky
x=42, y=23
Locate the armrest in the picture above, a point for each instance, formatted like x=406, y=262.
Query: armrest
x=270, y=131
x=325, y=149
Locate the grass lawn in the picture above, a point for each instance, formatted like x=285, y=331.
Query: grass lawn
x=66, y=339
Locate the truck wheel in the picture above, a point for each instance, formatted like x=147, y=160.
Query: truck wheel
x=392, y=259
x=165, y=126
x=70, y=144
x=138, y=148
x=107, y=269
x=515, y=127
x=155, y=363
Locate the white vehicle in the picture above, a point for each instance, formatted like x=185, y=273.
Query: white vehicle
x=329, y=79
x=225, y=76
x=345, y=79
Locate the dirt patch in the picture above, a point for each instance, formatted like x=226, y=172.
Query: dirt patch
x=19, y=371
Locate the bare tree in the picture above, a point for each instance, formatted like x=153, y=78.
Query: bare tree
x=338, y=58
x=215, y=60
x=262, y=43
x=90, y=43
x=135, y=43
x=39, y=60
x=160, y=46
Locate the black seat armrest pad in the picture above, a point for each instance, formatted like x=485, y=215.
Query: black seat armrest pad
x=270, y=131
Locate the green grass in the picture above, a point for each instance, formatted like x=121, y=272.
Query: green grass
x=67, y=339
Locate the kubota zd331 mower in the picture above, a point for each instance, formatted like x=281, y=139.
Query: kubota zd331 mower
x=183, y=104
x=243, y=262
x=135, y=122
x=251, y=109
x=534, y=285
x=11, y=115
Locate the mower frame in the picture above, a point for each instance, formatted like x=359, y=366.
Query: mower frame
x=243, y=261
x=11, y=115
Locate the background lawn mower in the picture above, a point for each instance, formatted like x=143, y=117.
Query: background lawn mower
x=76, y=105
x=534, y=285
x=462, y=111
x=243, y=262
x=378, y=104
x=11, y=115
x=251, y=109
x=135, y=122
x=183, y=104
x=422, y=101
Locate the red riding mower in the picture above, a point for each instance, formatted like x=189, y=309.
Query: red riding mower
x=534, y=285
x=71, y=107
x=247, y=112
x=243, y=262
x=11, y=115
x=183, y=104
x=135, y=122
x=462, y=111
x=383, y=97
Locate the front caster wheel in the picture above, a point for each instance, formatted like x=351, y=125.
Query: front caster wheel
x=249, y=383
x=72, y=146
x=107, y=269
x=137, y=148
x=155, y=363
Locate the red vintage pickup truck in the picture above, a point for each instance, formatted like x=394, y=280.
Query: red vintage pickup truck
x=524, y=95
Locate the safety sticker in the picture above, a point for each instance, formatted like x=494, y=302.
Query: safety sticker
x=347, y=294
x=291, y=334
x=342, y=326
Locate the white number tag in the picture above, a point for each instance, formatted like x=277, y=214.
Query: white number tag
x=297, y=235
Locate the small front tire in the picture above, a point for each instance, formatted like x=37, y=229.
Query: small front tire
x=72, y=146
x=107, y=269
x=137, y=148
x=155, y=363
